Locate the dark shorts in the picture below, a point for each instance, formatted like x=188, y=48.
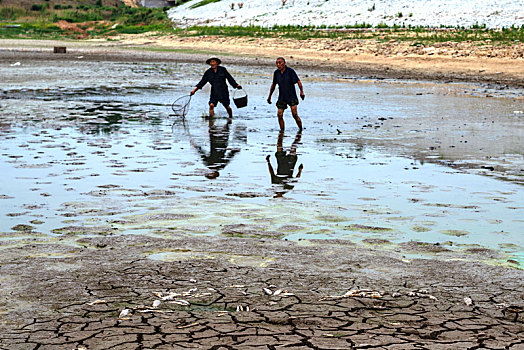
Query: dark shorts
x=286, y=163
x=224, y=101
x=284, y=104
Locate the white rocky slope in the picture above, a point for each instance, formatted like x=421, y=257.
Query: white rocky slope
x=432, y=13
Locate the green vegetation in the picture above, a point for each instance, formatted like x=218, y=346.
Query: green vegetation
x=381, y=32
x=202, y=3
x=40, y=20
x=45, y=20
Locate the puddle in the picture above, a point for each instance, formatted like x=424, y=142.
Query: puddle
x=382, y=162
x=241, y=260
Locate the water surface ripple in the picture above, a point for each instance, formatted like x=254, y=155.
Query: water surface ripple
x=414, y=167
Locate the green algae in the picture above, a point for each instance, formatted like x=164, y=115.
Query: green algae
x=85, y=230
x=36, y=222
x=23, y=228
x=456, y=233
x=376, y=241
x=332, y=218
x=418, y=228
x=367, y=229
x=291, y=228
x=171, y=255
x=401, y=218
x=423, y=247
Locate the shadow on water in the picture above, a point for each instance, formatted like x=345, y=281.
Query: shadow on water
x=414, y=168
x=220, y=152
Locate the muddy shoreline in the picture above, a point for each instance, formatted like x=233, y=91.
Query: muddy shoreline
x=226, y=293
x=93, y=287
x=494, y=72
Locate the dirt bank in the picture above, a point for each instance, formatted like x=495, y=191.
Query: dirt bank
x=404, y=60
x=89, y=288
x=465, y=62
x=136, y=292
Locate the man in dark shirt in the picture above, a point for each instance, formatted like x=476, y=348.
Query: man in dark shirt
x=220, y=154
x=286, y=78
x=217, y=76
x=286, y=162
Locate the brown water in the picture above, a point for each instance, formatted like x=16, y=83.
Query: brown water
x=93, y=149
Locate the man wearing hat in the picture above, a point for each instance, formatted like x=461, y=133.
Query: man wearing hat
x=216, y=76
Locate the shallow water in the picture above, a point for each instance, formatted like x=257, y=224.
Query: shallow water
x=93, y=149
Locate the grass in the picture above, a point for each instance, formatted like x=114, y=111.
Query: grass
x=202, y=3
x=40, y=22
x=365, y=31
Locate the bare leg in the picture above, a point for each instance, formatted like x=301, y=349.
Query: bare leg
x=211, y=110
x=280, y=115
x=229, y=111
x=293, y=149
x=294, y=112
x=280, y=141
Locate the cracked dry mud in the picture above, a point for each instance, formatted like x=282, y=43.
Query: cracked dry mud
x=107, y=293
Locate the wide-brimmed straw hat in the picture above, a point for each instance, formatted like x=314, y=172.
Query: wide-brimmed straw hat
x=214, y=58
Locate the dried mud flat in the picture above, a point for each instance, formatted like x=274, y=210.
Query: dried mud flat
x=77, y=291
x=235, y=293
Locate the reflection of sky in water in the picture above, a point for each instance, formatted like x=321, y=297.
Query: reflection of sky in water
x=96, y=158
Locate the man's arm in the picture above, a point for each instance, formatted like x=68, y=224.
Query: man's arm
x=302, y=95
x=270, y=168
x=231, y=80
x=300, y=167
x=271, y=90
x=200, y=84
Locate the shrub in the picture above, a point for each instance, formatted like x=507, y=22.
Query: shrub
x=202, y=3
x=12, y=12
x=39, y=7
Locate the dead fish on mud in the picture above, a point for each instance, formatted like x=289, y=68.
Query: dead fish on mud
x=168, y=296
x=422, y=293
x=96, y=302
x=124, y=313
x=173, y=295
x=282, y=292
x=180, y=302
x=242, y=308
x=364, y=293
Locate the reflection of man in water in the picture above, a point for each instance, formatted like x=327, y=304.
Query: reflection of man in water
x=219, y=155
x=286, y=162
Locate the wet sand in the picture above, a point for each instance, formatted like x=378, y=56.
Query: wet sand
x=86, y=290
x=448, y=62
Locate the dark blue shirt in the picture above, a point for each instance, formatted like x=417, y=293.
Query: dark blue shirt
x=286, y=84
x=217, y=80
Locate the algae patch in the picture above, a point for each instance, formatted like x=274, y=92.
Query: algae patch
x=456, y=233
x=23, y=228
x=369, y=229
x=235, y=259
x=85, y=230
x=418, y=228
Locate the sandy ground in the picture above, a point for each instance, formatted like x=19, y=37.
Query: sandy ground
x=448, y=61
x=501, y=65
x=231, y=292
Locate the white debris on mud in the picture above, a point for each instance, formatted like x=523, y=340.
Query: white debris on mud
x=427, y=13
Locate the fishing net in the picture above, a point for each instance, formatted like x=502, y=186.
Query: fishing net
x=181, y=106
